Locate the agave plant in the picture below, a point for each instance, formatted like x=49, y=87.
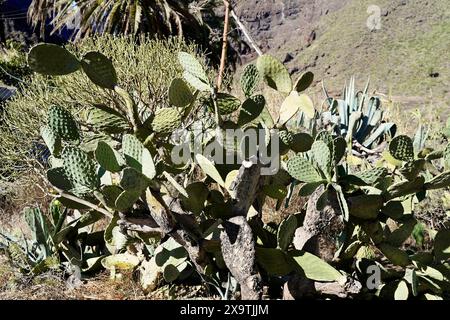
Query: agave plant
x=161, y=17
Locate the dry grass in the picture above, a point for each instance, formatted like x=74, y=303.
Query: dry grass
x=52, y=286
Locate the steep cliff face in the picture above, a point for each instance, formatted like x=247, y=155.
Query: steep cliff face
x=405, y=51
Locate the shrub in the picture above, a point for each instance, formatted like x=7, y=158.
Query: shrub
x=144, y=67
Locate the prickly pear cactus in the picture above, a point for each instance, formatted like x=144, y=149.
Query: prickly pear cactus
x=80, y=168
x=250, y=80
x=274, y=73
x=401, y=148
x=62, y=123
x=166, y=120
x=302, y=170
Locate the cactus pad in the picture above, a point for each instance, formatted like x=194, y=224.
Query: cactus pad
x=440, y=181
x=227, y=103
x=274, y=73
x=80, y=168
x=302, y=142
x=250, y=80
x=180, y=94
x=166, y=120
x=52, y=140
x=99, y=70
x=405, y=188
x=108, y=158
x=194, y=73
x=62, y=123
x=126, y=199
x=133, y=180
x=132, y=150
x=52, y=60
x=322, y=156
x=365, y=206
x=251, y=109
x=401, y=148
x=106, y=120
x=305, y=80
x=395, y=255
x=302, y=170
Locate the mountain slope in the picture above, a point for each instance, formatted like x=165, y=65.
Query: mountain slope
x=407, y=57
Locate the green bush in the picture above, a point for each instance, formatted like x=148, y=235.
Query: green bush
x=144, y=68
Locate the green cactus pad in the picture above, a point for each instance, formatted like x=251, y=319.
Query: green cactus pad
x=410, y=170
x=110, y=195
x=401, y=148
x=132, y=150
x=274, y=73
x=365, y=207
x=340, y=146
x=251, y=109
x=393, y=209
x=351, y=250
x=250, y=80
x=286, y=232
x=99, y=70
x=52, y=60
x=274, y=261
x=180, y=94
x=227, y=103
x=197, y=194
x=325, y=136
x=126, y=199
x=80, y=168
x=315, y=268
x=372, y=176
x=275, y=191
x=286, y=137
x=305, y=80
x=395, y=255
x=59, y=178
x=108, y=158
x=166, y=120
x=405, y=188
x=106, y=120
x=209, y=169
x=308, y=188
x=194, y=73
x=366, y=252
x=322, y=156
x=302, y=170
x=133, y=180
x=440, y=181
x=374, y=230
x=52, y=140
x=400, y=235
x=446, y=155
x=289, y=108
x=302, y=142
x=62, y=123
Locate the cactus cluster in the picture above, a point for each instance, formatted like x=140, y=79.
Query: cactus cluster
x=200, y=217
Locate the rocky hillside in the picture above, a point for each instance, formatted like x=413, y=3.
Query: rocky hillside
x=406, y=54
